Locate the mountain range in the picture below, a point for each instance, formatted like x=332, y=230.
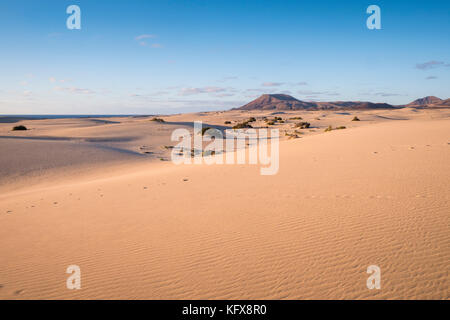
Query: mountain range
x=287, y=102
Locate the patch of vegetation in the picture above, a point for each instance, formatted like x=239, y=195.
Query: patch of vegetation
x=296, y=118
x=292, y=135
x=252, y=119
x=19, y=128
x=303, y=125
x=271, y=123
x=209, y=153
x=242, y=125
x=355, y=118
x=330, y=128
x=227, y=122
x=157, y=120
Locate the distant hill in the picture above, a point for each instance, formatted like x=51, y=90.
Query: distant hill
x=430, y=100
x=276, y=101
x=287, y=102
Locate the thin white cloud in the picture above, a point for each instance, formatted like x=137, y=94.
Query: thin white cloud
x=272, y=84
x=431, y=65
x=145, y=36
x=192, y=91
x=142, y=41
x=387, y=94
x=74, y=90
x=314, y=93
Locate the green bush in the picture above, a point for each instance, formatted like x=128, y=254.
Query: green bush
x=19, y=128
x=303, y=125
x=337, y=128
x=242, y=125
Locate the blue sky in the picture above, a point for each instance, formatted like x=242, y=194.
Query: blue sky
x=155, y=56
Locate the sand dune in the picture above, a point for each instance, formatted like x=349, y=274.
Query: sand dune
x=375, y=193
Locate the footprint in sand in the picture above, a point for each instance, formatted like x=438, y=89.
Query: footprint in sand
x=1, y=286
x=17, y=292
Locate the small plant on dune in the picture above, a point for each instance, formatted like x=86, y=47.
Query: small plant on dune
x=355, y=118
x=227, y=122
x=303, y=125
x=19, y=128
x=296, y=118
x=270, y=123
x=252, y=119
x=278, y=118
x=242, y=125
x=281, y=121
x=330, y=128
x=157, y=120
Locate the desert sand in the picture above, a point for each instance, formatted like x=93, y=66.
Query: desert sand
x=101, y=194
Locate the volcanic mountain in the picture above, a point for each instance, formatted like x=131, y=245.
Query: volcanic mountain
x=287, y=102
x=276, y=101
x=430, y=100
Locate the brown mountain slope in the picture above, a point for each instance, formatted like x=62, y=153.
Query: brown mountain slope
x=430, y=100
x=276, y=101
x=287, y=102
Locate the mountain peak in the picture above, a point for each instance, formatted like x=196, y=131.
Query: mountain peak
x=426, y=100
x=277, y=101
x=287, y=102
